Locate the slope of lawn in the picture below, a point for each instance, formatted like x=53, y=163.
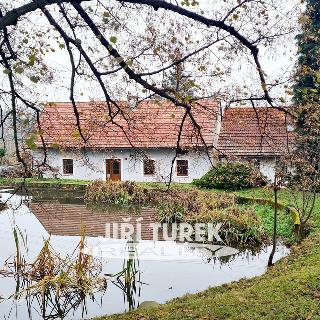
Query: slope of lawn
x=289, y=290
x=286, y=197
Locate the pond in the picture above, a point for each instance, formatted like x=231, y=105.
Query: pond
x=157, y=278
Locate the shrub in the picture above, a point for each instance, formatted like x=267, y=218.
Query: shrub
x=114, y=192
x=238, y=225
x=2, y=152
x=192, y=200
x=179, y=204
x=231, y=176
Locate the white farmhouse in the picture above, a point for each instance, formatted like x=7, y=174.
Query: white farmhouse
x=137, y=144
x=141, y=144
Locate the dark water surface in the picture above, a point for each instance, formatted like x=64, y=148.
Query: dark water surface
x=159, y=280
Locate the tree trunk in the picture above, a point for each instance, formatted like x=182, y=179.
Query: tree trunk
x=275, y=222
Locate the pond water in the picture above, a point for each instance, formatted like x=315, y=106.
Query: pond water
x=157, y=279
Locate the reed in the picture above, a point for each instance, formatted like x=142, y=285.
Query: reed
x=78, y=274
x=129, y=279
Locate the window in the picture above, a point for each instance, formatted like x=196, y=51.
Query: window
x=149, y=167
x=67, y=166
x=182, y=167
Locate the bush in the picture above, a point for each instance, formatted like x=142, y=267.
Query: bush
x=238, y=225
x=115, y=192
x=177, y=205
x=231, y=176
x=2, y=152
x=183, y=200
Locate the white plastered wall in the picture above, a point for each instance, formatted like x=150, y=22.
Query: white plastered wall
x=91, y=165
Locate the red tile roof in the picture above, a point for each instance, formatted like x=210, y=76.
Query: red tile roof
x=246, y=132
x=152, y=124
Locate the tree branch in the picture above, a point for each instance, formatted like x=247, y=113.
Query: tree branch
x=132, y=75
x=12, y=16
x=156, y=4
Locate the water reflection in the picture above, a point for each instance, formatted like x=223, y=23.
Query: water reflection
x=130, y=280
x=65, y=219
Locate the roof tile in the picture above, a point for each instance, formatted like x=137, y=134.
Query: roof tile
x=153, y=124
x=254, y=132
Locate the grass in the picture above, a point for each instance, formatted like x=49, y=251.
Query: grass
x=183, y=206
x=10, y=181
x=286, y=197
x=285, y=223
x=265, y=212
x=240, y=224
x=289, y=290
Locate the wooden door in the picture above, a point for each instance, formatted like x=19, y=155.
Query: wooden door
x=113, y=169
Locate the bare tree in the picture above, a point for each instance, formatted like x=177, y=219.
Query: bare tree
x=106, y=47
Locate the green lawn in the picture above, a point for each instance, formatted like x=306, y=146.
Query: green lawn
x=8, y=181
x=286, y=197
x=265, y=212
